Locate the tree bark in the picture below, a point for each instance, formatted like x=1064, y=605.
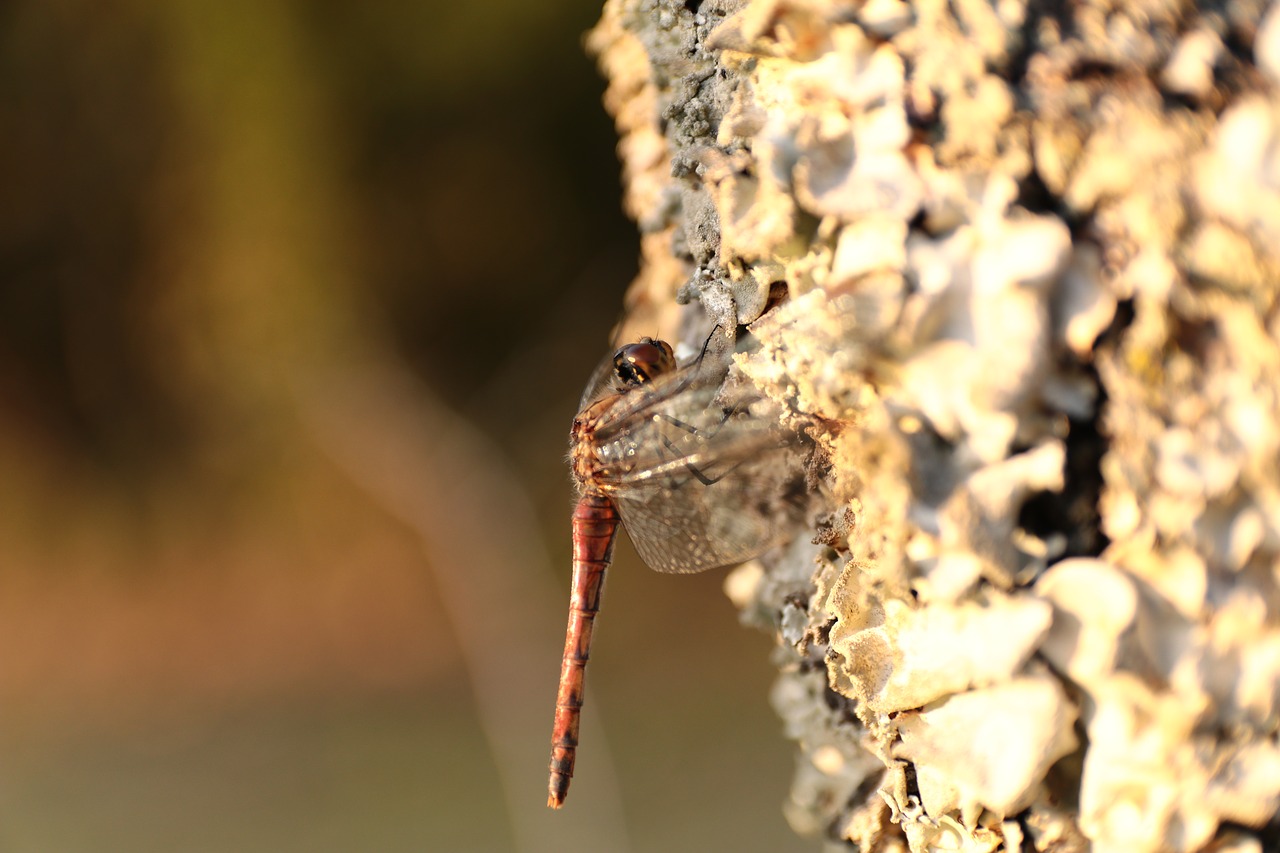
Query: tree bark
x=1030, y=256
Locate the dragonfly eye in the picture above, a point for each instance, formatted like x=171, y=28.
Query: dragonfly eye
x=636, y=364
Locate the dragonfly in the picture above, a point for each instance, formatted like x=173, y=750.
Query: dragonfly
x=697, y=467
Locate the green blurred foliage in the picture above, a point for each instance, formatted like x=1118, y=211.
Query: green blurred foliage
x=200, y=196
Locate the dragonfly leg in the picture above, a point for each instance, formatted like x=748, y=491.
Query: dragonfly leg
x=698, y=475
x=700, y=432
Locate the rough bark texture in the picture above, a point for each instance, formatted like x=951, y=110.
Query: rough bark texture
x=1030, y=255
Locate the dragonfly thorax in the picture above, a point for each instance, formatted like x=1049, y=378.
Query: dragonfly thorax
x=595, y=463
x=598, y=463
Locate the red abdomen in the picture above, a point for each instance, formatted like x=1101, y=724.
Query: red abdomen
x=595, y=521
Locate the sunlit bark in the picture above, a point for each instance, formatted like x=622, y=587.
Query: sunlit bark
x=1031, y=261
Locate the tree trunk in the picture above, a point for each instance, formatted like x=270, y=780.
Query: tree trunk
x=1030, y=255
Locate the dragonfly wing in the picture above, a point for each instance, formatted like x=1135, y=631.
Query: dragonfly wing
x=728, y=511
x=699, y=467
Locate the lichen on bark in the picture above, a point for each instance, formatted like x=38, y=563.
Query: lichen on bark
x=1021, y=266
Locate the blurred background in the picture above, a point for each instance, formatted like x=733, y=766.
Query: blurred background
x=296, y=303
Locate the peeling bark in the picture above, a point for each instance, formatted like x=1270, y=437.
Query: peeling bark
x=1030, y=257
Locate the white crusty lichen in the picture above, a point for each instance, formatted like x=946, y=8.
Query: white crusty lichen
x=1016, y=269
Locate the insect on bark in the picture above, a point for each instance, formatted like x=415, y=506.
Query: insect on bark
x=698, y=469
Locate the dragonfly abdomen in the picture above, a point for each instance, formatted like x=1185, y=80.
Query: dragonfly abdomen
x=595, y=523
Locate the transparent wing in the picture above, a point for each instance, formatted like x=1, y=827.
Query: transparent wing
x=701, y=471
x=683, y=525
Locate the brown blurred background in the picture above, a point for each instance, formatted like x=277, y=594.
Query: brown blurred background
x=296, y=302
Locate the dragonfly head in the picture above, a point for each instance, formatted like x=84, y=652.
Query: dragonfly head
x=630, y=367
x=641, y=362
